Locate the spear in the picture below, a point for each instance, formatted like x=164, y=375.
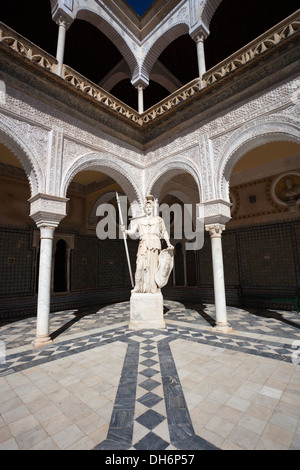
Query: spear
x=125, y=240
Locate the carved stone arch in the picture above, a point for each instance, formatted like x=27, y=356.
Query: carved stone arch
x=122, y=173
x=208, y=10
x=11, y=136
x=177, y=30
x=279, y=128
x=164, y=172
x=98, y=19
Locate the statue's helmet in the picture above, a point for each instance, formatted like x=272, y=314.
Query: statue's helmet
x=149, y=200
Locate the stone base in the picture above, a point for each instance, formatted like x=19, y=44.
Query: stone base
x=222, y=328
x=41, y=342
x=146, y=311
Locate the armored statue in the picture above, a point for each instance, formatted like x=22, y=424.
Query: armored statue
x=153, y=266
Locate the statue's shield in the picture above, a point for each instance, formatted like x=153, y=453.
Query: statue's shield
x=165, y=266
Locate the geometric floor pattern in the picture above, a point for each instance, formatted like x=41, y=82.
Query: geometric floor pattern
x=153, y=369
x=167, y=393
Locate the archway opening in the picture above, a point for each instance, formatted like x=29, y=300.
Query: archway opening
x=99, y=271
x=60, y=267
x=92, y=59
x=178, y=195
x=180, y=58
x=18, y=255
x=261, y=242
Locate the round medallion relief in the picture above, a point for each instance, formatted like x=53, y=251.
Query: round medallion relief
x=285, y=190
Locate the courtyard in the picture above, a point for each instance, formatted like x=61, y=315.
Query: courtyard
x=103, y=386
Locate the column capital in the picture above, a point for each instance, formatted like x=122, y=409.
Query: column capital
x=199, y=32
x=47, y=210
x=62, y=12
x=47, y=231
x=62, y=21
x=215, y=230
x=216, y=212
x=199, y=37
x=140, y=81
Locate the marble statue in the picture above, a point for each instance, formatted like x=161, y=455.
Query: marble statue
x=151, y=271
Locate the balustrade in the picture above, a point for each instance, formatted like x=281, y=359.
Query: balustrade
x=260, y=45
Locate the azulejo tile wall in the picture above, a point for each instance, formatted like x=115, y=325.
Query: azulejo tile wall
x=261, y=257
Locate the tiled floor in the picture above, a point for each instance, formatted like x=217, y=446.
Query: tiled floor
x=103, y=386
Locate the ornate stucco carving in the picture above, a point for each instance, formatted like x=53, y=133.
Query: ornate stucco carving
x=252, y=134
x=47, y=210
x=126, y=175
x=29, y=144
x=187, y=161
x=53, y=145
x=49, y=153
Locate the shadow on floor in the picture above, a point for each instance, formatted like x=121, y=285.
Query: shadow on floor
x=200, y=309
x=265, y=313
x=78, y=315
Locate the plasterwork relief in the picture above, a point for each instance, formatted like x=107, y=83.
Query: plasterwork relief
x=126, y=175
x=254, y=133
x=33, y=142
x=54, y=161
x=278, y=98
x=38, y=113
x=219, y=129
x=205, y=151
x=156, y=175
x=234, y=129
x=207, y=168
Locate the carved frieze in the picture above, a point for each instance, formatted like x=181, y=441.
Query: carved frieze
x=47, y=210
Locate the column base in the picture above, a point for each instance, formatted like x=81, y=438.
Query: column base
x=146, y=311
x=40, y=342
x=222, y=328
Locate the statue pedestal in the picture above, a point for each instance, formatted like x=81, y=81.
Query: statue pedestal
x=146, y=311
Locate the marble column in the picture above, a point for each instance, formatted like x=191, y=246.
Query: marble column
x=47, y=211
x=44, y=287
x=62, y=29
x=199, y=39
x=215, y=231
x=140, y=99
